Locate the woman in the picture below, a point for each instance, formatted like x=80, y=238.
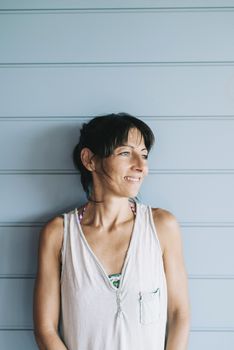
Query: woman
x=112, y=270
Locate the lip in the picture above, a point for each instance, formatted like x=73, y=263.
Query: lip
x=133, y=179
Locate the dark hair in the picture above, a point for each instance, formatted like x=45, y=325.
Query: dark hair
x=102, y=135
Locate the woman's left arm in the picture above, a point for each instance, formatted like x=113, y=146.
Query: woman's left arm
x=178, y=315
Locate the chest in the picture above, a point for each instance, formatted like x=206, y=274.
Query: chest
x=110, y=248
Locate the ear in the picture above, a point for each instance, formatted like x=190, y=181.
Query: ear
x=86, y=156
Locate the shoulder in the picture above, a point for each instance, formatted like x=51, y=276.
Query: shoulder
x=167, y=227
x=51, y=235
x=164, y=216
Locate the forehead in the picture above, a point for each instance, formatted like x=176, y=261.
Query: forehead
x=135, y=137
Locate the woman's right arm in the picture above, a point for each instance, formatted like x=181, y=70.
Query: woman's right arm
x=46, y=307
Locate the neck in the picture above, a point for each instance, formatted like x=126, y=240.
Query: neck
x=107, y=214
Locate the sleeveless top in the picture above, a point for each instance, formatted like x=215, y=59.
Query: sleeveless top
x=96, y=314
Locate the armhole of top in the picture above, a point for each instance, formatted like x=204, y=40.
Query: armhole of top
x=151, y=219
x=161, y=263
x=64, y=243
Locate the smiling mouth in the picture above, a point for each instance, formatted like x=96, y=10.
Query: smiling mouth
x=132, y=179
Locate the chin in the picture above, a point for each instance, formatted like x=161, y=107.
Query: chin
x=132, y=194
x=129, y=191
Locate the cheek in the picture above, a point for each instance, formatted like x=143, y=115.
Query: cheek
x=115, y=167
x=110, y=169
x=106, y=166
x=113, y=171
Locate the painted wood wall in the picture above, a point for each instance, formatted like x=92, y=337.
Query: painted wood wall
x=170, y=63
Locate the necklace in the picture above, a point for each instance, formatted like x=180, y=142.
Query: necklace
x=81, y=214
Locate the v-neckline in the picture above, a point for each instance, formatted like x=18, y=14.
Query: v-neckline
x=133, y=234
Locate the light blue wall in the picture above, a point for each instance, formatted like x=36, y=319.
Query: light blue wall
x=170, y=63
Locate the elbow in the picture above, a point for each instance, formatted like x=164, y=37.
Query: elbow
x=39, y=340
x=182, y=317
x=43, y=337
x=36, y=334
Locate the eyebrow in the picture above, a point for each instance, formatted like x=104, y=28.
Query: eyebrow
x=123, y=145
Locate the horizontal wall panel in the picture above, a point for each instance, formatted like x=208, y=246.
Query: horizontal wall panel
x=140, y=90
x=48, y=145
x=18, y=293
x=210, y=303
x=18, y=250
x=193, y=197
x=22, y=244
x=38, y=197
x=211, y=340
x=192, y=144
x=197, y=242
x=20, y=340
x=88, y=37
x=103, y=4
x=40, y=144
x=197, y=198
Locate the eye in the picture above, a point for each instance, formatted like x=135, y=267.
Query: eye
x=145, y=156
x=125, y=153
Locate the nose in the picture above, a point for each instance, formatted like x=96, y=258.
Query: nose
x=139, y=163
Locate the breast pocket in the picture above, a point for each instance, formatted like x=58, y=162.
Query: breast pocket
x=149, y=306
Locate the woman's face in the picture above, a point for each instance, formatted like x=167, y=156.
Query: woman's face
x=126, y=168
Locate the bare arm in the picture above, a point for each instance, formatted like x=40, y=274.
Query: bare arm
x=46, y=306
x=176, y=276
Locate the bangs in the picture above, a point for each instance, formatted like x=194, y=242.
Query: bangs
x=113, y=132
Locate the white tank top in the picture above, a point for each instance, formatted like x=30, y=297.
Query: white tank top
x=96, y=315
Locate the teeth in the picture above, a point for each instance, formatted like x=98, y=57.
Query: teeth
x=129, y=178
